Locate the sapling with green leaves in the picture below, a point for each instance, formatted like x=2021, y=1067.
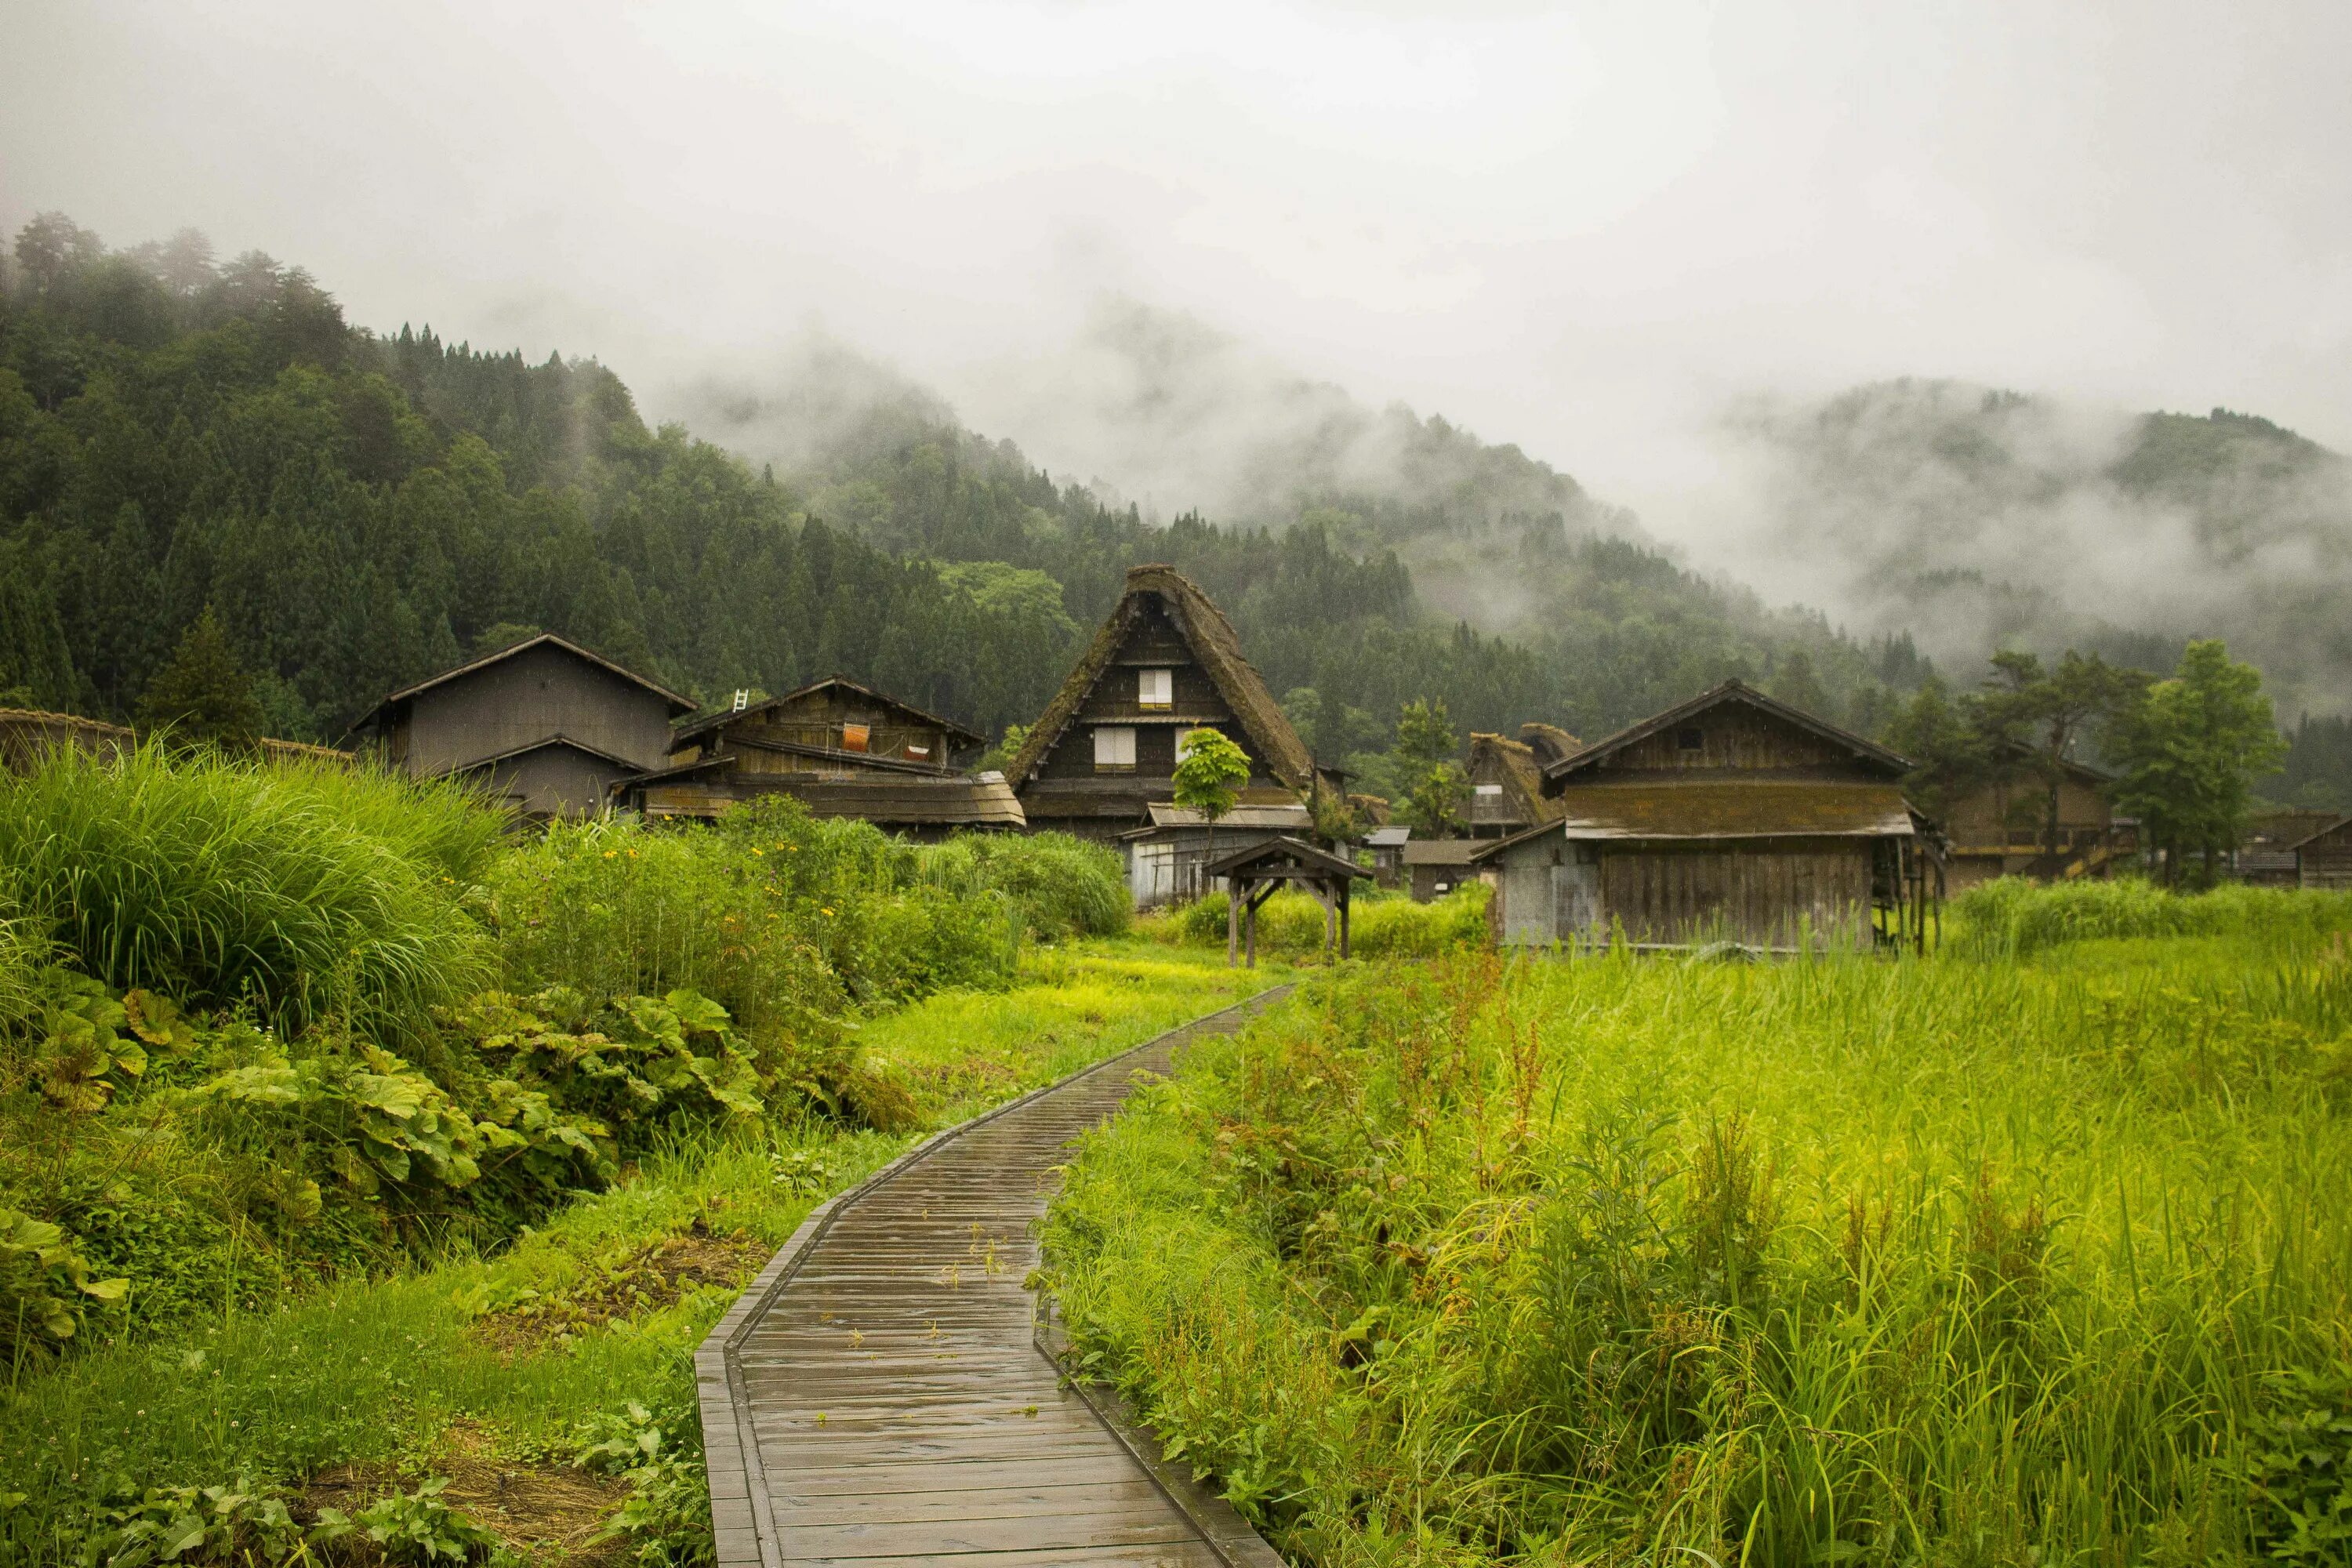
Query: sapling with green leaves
x=1209, y=771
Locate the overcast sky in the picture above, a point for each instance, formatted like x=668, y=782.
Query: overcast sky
x=1578, y=228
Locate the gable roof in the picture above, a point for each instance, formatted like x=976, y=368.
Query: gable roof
x=1303, y=856
x=1212, y=639
x=528, y=747
x=677, y=704
x=697, y=726
x=1557, y=772
x=2310, y=839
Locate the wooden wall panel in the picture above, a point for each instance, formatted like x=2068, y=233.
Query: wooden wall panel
x=1755, y=891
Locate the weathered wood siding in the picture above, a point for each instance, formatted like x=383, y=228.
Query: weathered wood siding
x=2326, y=861
x=1755, y=891
x=556, y=781
x=1732, y=738
x=540, y=692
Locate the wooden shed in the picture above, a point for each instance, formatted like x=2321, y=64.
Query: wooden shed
x=2325, y=859
x=1165, y=661
x=2267, y=858
x=550, y=727
x=1731, y=816
x=1167, y=861
x=1436, y=867
x=841, y=749
x=2002, y=829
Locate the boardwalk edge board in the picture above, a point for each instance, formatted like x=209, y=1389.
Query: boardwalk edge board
x=1229, y=1535
x=742, y=1520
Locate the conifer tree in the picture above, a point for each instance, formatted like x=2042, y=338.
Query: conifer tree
x=202, y=693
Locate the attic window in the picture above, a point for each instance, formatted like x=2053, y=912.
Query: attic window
x=1155, y=688
x=1692, y=739
x=855, y=737
x=1489, y=789
x=1114, y=749
x=918, y=753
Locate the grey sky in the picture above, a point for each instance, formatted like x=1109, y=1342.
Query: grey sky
x=1579, y=228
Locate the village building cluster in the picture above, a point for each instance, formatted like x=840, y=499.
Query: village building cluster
x=1730, y=817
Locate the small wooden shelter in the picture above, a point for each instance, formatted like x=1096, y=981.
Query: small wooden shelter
x=1256, y=874
x=29, y=734
x=1163, y=662
x=1436, y=867
x=2267, y=858
x=841, y=749
x=549, y=726
x=1730, y=816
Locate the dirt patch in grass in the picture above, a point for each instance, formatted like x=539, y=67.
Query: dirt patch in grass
x=546, y=1512
x=653, y=1277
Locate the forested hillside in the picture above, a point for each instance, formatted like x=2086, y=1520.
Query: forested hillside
x=363, y=508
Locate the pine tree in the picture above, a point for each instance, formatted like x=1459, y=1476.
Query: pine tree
x=202, y=693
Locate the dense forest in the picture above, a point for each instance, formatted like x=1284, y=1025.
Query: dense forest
x=360, y=509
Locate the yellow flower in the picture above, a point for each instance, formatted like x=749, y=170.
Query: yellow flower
x=757, y=850
x=826, y=912
x=610, y=853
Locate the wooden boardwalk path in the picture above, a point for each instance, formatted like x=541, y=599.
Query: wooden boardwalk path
x=878, y=1394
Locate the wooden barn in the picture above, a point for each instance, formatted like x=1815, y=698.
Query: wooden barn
x=1506, y=780
x=2267, y=858
x=2003, y=829
x=1165, y=661
x=1436, y=867
x=2325, y=859
x=549, y=726
x=840, y=749
x=1731, y=816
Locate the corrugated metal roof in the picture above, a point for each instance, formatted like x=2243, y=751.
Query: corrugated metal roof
x=1736, y=809
x=1442, y=851
x=1388, y=837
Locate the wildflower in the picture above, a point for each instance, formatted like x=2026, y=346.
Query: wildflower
x=825, y=912
x=757, y=850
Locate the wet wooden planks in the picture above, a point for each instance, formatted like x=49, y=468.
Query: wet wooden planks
x=877, y=1395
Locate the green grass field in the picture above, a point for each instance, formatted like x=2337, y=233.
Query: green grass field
x=1992, y=1259
x=493, y=1372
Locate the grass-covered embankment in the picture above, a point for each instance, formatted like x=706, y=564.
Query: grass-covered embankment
x=284, y=1053
x=1609, y=1259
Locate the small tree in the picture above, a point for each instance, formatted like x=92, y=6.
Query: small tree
x=2191, y=750
x=1209, y=771
x=1435, y=803
x=202, y=693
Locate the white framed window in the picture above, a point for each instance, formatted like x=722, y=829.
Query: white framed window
x=1114, y=749
x=1155, y=688
x=1489, y=789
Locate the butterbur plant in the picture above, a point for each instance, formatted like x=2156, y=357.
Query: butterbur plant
x=665, y=1521
x=414, y=1528
x=44, y=1286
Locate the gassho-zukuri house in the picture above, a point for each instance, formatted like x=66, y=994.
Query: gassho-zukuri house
x=1732, y=817
x=1100, y=762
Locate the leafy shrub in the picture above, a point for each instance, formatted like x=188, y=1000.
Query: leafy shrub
x=1290, y=924
x=243, y=1522
x=412, y=1528
x=42, y=1282
x=298, y=892
x=2013, y=917
x=665, y=1518
x=1060, y=886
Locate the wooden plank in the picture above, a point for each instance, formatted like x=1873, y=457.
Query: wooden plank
x=877, y=1395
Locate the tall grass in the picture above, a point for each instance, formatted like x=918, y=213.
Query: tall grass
x=1291, y=924
x=298, y=891
x=1060, y=886
x=2015, y=918
x=1613, y=1259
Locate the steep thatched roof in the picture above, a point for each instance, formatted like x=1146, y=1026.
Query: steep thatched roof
x=1549, y=743
x=1520, y=773
x=1205, y=630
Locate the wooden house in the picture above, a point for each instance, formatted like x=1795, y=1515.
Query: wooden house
x=1507, y=780
x=550, y=727
x=2325, y=859
x=2267, y=858
x=2002, y=829
x=1732, y=817
x=839, y=748
x=1165, y=661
